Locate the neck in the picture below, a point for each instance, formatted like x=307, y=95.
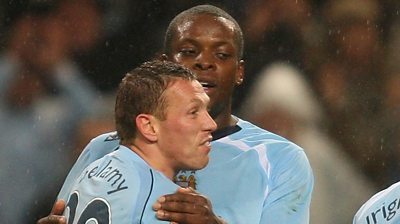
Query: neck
x=153, y=158
x=222, y=114
x=224, y=121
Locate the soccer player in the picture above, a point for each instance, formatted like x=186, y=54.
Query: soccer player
x=383, y=207
x=253, y=176
x=163, y=127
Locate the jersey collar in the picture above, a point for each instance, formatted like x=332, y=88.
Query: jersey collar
x=220, y=133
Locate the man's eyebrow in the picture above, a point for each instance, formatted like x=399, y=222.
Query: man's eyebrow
x=199, y=101
x=217, y=43
x=188, y=40
x=222, y=42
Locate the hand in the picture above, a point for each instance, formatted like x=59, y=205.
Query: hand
x=186, y=206
x=55, y=216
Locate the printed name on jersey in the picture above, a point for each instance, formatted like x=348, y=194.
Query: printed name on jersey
x=109, y=174
x=386, y=212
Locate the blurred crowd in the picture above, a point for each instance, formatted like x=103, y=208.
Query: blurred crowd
x=323, y=73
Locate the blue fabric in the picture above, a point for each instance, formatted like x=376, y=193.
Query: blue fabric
x=383, y=207
x=118, y=188
x=253, y=176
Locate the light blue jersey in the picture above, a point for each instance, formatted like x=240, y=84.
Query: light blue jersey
x=253, y=176
x=118, y=188
x=383, y=207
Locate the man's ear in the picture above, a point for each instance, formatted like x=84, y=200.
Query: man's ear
x=146, y=125
x=240, y=73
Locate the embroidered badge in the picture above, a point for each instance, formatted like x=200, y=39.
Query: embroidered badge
x=186, y=179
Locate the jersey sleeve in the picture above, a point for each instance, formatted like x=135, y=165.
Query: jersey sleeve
x=288, y=199
x=97, y=148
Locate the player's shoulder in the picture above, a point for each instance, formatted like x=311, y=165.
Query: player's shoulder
x=281, y=159
x=270, y=148
x=106, y=137
x=379, y=206
x=120, y=159
x=256, y=137
x=123, y=158
x=117, y=170
x=118, y=182
x=106, y=140
x=97, y=148
x=384, y=195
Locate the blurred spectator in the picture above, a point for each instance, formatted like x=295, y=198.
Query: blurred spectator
x=349, y=80
x=389, y=118
x=99, y=121
x=390, y=111
x=392, y=39
x=283, y=102
x=42, y=97
x=282, y=30
x=82, y=22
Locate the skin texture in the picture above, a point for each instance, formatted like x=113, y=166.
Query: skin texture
x=187, y=122
x=55, y=216
x=205, y=44
x=186, y=206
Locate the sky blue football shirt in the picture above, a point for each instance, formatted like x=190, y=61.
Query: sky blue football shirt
x=118, y=188
x=253, y=176
x=383, y=207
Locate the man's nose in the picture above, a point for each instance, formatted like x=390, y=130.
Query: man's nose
x=211, y=125
x=204, y=61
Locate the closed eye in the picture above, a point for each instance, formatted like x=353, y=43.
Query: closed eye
x=223, y=56
x=193, y=113
x=194, y=110
x=187, y=51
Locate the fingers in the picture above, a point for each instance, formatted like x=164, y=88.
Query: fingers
x=186, y=190
x=182, y=204
x=176, y=217
x=181, y=207
x=58, y=208
x=188, y=218
x=55, y=216
x=187, y=195
x=53, y=219
x=184, y=207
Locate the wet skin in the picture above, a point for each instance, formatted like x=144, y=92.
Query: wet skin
x=206, y=45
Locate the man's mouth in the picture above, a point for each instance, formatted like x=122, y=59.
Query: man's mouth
x=207, y=141
x=207, y=85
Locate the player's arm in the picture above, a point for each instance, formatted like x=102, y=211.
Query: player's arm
x=186, y=206
x=290, y=196
x=55, y=216
x=97, y=148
